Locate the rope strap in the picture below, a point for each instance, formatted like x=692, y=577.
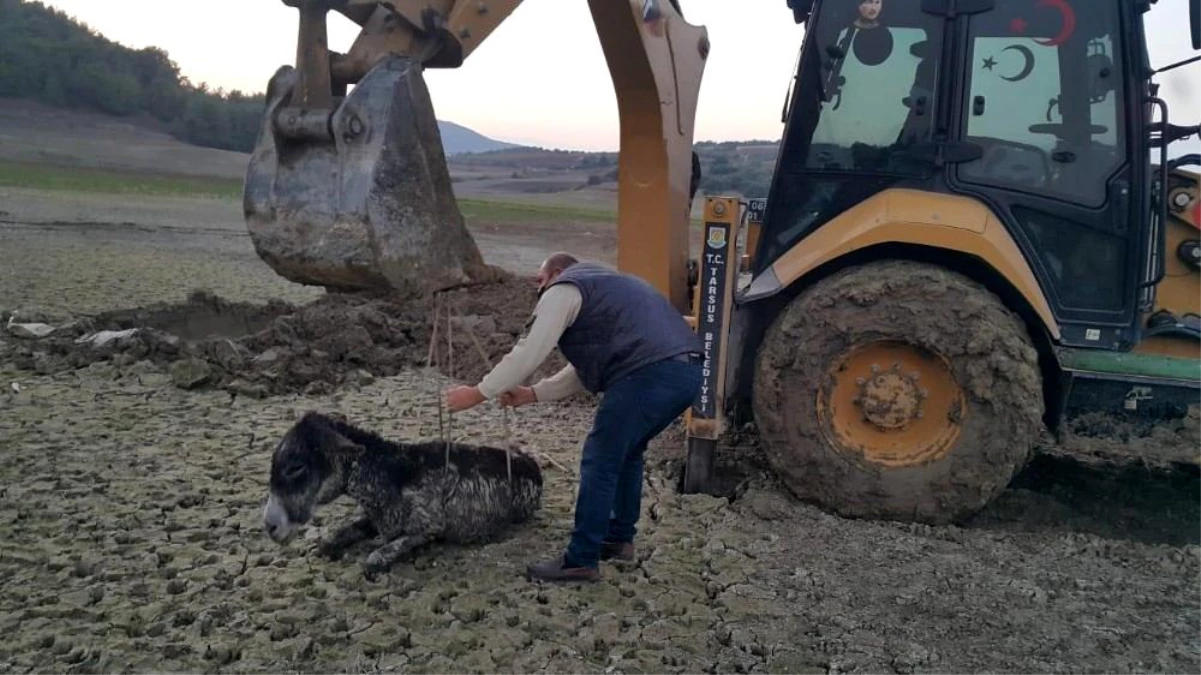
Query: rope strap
x=504, y=410
x=445, y=429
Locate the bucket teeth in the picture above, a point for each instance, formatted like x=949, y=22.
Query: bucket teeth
x=359, y=196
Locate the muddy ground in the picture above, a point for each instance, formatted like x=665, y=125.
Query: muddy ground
x=130, y=506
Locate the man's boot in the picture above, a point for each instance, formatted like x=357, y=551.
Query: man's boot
x=613, y=550
x=557, y=570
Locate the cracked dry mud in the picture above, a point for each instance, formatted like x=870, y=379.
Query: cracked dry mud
x=130, y=514
x=131, y=522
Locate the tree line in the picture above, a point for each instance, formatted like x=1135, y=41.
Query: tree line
x=729, y=167
x=47, y=56
x=726, y=167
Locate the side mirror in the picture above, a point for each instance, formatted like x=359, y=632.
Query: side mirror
x=1195, y=21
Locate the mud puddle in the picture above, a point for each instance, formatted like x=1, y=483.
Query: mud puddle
x=203, y=317
x=1061, y=493
x=1114, y=476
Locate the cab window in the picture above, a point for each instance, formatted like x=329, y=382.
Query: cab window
x=1044, y=99
x=878, y=75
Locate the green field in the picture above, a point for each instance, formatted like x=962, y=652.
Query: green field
x=474, y=208
x=114, y=181
x=118, y=181
x=124, y=181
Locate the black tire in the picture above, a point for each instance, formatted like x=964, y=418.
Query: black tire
x=984, y=348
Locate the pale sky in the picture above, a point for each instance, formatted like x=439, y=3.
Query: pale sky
x=541, y=78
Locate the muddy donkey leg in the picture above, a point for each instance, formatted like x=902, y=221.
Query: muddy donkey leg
x=385, y=556
x=347, y=536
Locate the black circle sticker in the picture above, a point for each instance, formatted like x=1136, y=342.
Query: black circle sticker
x=873, y=46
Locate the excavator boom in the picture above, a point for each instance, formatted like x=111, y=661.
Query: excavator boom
x=351, y=190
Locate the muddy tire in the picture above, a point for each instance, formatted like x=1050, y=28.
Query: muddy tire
x=898, y=390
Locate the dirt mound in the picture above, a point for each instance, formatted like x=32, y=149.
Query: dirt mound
x=258, y=350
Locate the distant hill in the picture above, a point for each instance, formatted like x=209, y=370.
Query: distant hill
x=457, y=139
x=730, y=167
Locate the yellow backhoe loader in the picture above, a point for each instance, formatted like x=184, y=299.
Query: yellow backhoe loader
x=974, y=231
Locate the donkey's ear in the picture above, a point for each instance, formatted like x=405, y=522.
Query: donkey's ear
x=348, y=447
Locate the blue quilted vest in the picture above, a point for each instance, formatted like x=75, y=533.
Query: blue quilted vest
x=623, y=325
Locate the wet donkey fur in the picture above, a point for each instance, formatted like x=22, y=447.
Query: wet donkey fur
x=407, y=492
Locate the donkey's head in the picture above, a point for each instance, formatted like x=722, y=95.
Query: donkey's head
x=308, y=468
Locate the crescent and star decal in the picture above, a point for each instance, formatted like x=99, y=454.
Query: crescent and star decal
x=1027, y=67
x=1019, y=25
x=1068, y=22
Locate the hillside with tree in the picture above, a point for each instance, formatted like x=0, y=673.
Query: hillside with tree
x=48, y=57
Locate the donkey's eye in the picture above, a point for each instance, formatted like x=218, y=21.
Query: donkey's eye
x=294, y=472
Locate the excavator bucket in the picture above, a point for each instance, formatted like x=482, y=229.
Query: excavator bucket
x=353, y=193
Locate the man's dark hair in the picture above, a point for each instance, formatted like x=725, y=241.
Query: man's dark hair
x=559, y=262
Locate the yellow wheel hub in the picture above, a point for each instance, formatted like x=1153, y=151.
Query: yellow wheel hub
x=891, y=404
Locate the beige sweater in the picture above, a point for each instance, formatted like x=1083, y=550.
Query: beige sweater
x=555, y=311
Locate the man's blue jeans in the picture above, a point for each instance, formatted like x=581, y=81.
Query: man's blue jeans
x=633, y=411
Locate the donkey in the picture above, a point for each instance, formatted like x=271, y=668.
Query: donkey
x=408, y=492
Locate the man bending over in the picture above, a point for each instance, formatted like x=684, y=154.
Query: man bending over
x=621, y=337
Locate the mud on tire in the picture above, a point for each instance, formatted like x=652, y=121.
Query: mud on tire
x=986, y=350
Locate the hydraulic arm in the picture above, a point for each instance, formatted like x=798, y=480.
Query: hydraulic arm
x=352, y=190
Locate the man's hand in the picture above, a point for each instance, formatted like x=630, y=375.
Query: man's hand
x=461, y=398
x=518, y=397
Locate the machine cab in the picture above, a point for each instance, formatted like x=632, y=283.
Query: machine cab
x=1036, y=108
